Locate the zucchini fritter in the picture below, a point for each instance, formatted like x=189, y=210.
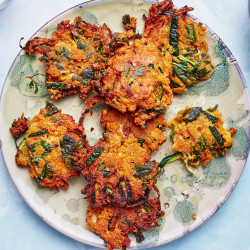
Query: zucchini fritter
x=75, y=56
x=199, y=134
x=172, y=30
x=114, y=223
x=118, y=171
x=137, y=80
x=122, y=124
x=51, y=145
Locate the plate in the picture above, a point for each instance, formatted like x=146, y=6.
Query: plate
x=182, y=193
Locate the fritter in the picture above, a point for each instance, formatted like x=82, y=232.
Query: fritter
x=50, y=147
x=75, y=56
x=172, y=30
x=114, y=223
x=19, y=127
x=137, y=80
x=122, y=124
x=118, y=171
x=199, y=134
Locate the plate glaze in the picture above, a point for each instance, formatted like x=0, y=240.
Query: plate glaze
x=182, y=193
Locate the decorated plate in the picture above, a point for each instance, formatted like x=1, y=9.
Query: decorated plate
x=189, y=197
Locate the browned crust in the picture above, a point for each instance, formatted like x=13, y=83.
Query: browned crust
x=19, y=127
x=113, y=178
x=51, y=156
x=114, y=223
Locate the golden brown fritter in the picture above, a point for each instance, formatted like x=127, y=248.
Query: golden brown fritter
x=118, y=171
x=122, y=124
x=75, y=56
x=172, y=30
x=49, y=148
x=19, y=127
x=199, y=134
x=114, y=223
x=137, y=80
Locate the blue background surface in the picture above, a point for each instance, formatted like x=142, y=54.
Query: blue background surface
x=21, y=228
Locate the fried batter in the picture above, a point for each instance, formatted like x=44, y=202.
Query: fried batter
x=137, y=80
x=129, y=24
x=172, y=30
x=75, y=56
x=19, y=127
x=199, y=134
x=122, y=124
x=49, y=148
x=118, y=171
x=114, y=223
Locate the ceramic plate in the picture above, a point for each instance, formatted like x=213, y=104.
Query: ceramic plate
x=183, y=193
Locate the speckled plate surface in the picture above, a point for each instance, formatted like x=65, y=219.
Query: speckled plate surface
x=183, y=193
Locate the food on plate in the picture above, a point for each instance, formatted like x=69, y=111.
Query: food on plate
x=137, y=80
x=114, y=223
x=118, y=171
x=169, y=158
x=19, y=127
x=173, y=31
x=75, y=56
x=122, y=124
x=51, y=145
x=198, y=134
x=129, y=24
x=138, y=77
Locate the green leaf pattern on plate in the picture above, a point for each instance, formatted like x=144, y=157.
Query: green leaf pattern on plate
x=19, y=77
x=241, y=142
x=219, y=82
x=89, y=17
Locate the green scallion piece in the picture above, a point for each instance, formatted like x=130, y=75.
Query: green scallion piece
x=217, y=136
x=94, y=156
x=41, y=132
